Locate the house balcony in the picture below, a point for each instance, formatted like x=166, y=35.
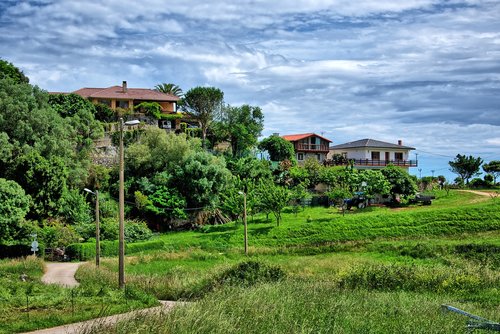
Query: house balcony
x=311, y=148
x=383, y=163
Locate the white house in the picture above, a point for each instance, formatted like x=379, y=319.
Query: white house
x=371, y=154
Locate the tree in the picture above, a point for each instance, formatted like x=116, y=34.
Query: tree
x=279, y=149
x=201, y=178
x=241, y=126
x=273, y=198
x=204, y=104
x=169, y=88
x=401, y=182
x=376, y=183
x=493, y=169
x=14, y=205
x=158, y=151
x=8, y=70
x=466, y=166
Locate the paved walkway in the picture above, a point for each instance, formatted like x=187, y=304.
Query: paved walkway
x=62, y=273
x=84, y=326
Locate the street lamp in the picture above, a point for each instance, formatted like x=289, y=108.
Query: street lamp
x=245, y=219
x=97, y=229
x=121, y=216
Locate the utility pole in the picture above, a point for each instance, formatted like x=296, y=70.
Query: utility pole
x=121, y=216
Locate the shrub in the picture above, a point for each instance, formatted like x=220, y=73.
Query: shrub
x=137, y=231
x=249, y=273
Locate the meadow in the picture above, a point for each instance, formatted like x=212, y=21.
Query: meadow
x=377, y=270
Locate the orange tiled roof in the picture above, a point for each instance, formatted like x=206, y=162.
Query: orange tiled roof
x=303, y=136
x=116, y=92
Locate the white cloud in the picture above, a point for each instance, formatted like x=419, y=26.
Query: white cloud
x=425, y=71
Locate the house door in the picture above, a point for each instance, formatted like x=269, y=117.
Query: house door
x=387, y=156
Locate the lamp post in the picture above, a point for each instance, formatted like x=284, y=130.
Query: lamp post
x=245, y=220
x=121, y=215
x=97, y=228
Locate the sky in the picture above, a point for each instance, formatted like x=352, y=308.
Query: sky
x=422, y=71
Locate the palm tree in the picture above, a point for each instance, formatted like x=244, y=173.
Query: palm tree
x=169, y=88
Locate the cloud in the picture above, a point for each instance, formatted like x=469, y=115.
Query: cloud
x=425, y=71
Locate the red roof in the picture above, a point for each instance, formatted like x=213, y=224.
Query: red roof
x=116, y=92
x=303, y=136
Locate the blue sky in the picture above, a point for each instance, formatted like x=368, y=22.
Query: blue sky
x=424, y=71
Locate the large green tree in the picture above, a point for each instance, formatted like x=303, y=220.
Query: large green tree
x=493, y=168
x=8, y=70
x=401, y=183
x=241, y=126
x=204, y=104
x=279, y=149
x=201, y=178
x=14, y=205
x=466, y=166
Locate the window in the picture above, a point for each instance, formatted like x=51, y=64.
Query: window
x=318, y=156
x=398, y=156
x=105, y=102
x=375, y=155
x=122, y=104
x=300, y=156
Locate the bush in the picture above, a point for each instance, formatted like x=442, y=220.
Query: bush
x=249, y=273
x=19, y=250
x=137, y=231
x=56, y=234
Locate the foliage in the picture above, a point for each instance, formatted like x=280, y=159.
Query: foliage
x=79, y=112
x=74, y=208
x=249, y=170
x=249, y=273
x=201, y=178
x=492, y=168
x=204, y=104
x=376, y=183
x=158, y=151
x=298, y=194
x=56, y=234
x=466, y=166
x=14, y=205
x=169, y=88
x=340, y=177
x=152, y=109
x=337, y=195
x=400, y=181
x=279, y=149
x=137, y=231
x=158, y=197
x=104, y=113
x=273, y=198
x=44, y=179
x=241, y=126
x=8, y=70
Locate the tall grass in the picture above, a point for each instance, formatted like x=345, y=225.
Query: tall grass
x=307, y=307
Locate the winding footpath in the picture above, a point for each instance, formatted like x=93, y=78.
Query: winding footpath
x=63, y=273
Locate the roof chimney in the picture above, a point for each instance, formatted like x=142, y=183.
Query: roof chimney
x=400, y=142
x=124, y=86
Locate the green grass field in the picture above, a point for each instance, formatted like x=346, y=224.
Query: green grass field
x=377, y=270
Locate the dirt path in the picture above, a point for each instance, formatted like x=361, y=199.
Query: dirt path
x=481, y=193
x=62, y=273
x=85, y=326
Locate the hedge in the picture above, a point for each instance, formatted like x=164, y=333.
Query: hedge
x=86, y=250
x=19, y=250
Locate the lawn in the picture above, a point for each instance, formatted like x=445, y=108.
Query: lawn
x=377, y=270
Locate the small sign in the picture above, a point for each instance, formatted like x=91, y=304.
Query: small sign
x=34, y=246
